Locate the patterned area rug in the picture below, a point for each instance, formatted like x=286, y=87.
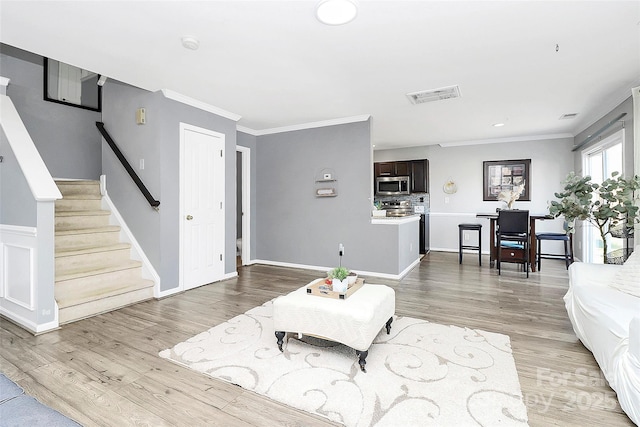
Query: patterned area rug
x=422, y=373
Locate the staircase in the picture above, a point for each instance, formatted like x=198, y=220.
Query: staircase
x=94, y=270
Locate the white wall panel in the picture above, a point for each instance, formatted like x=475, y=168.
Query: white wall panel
x=17, y=266
x=19, y=278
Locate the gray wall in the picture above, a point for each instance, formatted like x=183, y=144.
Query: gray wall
x=65, y=136
x=17, y=205
x=294, y=226
x=158, y=143
x=551, y=160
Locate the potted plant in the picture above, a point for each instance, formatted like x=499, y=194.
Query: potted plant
x=377, y=210
x=339, y=279
x=604, y=205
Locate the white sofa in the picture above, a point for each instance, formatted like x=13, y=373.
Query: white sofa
x=607, y=321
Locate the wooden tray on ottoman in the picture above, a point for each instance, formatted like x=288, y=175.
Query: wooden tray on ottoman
x=314, y=289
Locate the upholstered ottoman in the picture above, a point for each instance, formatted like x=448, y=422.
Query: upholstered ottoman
x=354, y=321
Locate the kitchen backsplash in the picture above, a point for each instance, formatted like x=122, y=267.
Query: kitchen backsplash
x=417, y=199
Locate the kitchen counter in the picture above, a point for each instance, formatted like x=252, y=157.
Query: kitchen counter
x=391, y=220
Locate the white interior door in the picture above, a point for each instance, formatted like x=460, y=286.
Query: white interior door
x=202, y=206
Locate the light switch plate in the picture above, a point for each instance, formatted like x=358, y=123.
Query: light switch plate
x=418, y=209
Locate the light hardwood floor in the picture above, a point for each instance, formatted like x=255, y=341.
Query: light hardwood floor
x=105, y=371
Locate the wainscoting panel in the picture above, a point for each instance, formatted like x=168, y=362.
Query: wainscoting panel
x=17, y=247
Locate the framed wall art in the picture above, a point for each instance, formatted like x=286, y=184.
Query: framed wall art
x=504, y=175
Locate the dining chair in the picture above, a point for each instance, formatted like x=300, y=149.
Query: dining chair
x=513, y=237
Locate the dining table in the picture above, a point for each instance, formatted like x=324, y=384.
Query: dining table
x=533, y=247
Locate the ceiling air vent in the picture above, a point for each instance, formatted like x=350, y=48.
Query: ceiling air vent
x=434, y=94
x=568, y=116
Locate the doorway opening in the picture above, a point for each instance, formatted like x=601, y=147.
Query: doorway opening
x=243, y=206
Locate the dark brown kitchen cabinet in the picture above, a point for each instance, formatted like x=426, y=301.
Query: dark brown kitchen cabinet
x=384, y=169
x=403, y=168
x=419, y=176
x=392, y=168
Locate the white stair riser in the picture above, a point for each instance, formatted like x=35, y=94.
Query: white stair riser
x=76, y=189
x=81, y=311
x=81, y=221
x=86, y=239
x=66, y=290
x=91, y=260
x=78, y=204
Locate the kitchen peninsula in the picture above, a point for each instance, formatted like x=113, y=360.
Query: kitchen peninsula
x=401, y=242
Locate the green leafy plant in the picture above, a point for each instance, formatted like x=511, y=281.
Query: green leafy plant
x=603, y=205
x=339, y=273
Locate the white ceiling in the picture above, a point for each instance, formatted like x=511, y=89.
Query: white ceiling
x=275, y=65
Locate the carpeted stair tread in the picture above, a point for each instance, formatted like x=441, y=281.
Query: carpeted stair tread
x=94, y=293
x=105, y=304
x=82, y=197
x=104, y=229
x=76, y=273
x=83, y=213
x=60, y=181
x=94, y=270
x=79, y=250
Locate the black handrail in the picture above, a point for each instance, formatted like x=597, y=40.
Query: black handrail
x=153, y=202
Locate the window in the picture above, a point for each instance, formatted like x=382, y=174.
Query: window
x=600, y=162
x=69, y=85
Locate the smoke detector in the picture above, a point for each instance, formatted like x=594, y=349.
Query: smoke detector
x=433, y=95
x=190, y=42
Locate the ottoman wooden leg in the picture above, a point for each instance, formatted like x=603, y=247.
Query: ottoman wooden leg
x=362, y=359
x=388, y=325
x=280, y=337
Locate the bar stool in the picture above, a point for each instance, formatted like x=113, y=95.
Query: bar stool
x=568, y=247
x=470, y=227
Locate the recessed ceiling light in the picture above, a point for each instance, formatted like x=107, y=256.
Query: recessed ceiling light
x=497, y=125
x=190, y=42
x=336, y=12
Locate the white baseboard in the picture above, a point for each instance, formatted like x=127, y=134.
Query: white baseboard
x=28, y=324
x=326, y=269
x=464, y=251
x=148, y=271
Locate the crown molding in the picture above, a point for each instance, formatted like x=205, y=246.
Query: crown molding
x=508, y=139
x=302, y=126
x=199, y=104
x=247, y=130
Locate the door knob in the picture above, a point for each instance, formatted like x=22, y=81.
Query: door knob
x=189, y=217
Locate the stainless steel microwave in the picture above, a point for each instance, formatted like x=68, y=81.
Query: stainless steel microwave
x=392, y=185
